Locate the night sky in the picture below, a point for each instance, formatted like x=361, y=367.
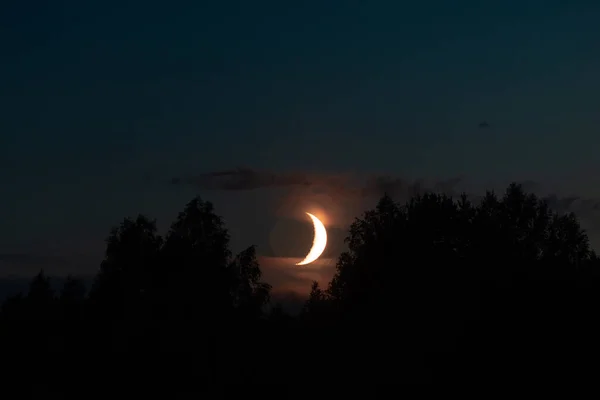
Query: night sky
x=270, y=109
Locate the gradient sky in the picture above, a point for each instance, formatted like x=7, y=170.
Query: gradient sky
x=102, y=103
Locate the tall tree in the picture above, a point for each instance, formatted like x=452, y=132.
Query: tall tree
x=119, y=298
x=196, y=257
x=249, y=293
x=425, y=262
x=125, y=274
x=40, y=298
x=71, y=299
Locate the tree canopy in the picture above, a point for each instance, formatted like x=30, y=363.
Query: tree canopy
x=418, y=281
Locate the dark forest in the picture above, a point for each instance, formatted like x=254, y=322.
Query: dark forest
x=437, y=290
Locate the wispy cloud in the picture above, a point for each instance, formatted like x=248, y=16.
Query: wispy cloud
x=341, y=196
x=361, y=185
x=242, y=179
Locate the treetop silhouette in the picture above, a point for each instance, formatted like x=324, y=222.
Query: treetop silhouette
x=418, y=280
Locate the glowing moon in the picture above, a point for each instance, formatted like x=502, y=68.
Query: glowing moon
x=319, y=241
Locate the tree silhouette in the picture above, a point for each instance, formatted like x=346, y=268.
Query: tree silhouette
x=250, y=294
x=33, y=316
x=315, y=307
x=70, y=312
x=436, y=288
x=439, y=274
x=71, y=297
x=119, y=296
x=40, y=297
x=197, y=252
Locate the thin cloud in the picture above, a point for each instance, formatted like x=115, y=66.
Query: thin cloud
x=242, y=179
x=356, y=185
x=360, y=186
x=332, y=192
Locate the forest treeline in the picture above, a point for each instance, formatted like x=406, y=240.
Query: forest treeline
x=437, y=289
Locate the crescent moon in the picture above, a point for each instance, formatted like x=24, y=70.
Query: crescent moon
x=319, y=241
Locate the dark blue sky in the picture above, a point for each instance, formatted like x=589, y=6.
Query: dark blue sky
x=101, y=104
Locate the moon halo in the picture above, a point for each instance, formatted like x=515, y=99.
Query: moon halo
x=319, y=241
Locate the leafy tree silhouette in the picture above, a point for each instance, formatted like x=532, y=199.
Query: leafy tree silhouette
x=13, y=308
x=437, y=288
x=250, y=294
x=40, y=298
x=118, y=300
x=425, y=274
x=195, y=279
x=71, y=303
x=197, y=247
x=315, y=306
x=279, y=317
x=207, y=293
x=33, y=315
x=72, y=298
